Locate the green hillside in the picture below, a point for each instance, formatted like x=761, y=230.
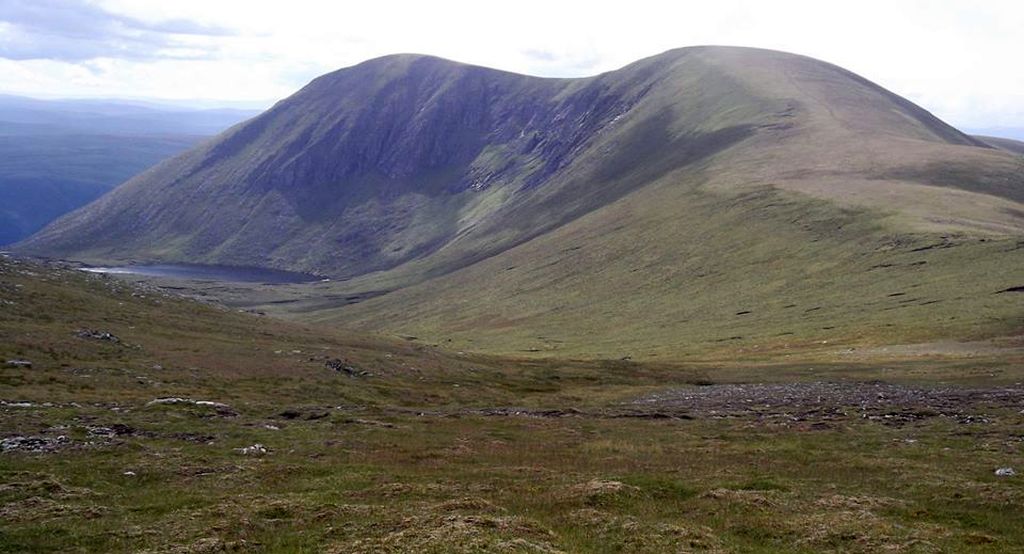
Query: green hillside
x=148, y=423
x=755, y=276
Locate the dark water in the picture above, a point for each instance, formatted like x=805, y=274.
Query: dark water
x=210, y=273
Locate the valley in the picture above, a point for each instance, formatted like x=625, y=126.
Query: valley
x=59, y=155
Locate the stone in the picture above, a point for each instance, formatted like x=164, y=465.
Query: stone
x=219, y=407
x=345, y=367
x=33, y=444
x=254, y=450
x=97, y=335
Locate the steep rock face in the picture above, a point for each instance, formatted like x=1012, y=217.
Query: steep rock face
x=428, y=165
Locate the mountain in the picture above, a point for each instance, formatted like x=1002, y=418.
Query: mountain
x=704, y=196
x=59, y=155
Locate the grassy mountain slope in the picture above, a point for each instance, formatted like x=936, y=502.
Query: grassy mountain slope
x=440, y=452
x=706, y=198
x=758, y=275
x=734, y=257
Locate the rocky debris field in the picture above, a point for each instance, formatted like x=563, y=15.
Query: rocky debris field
x=823, y=401
x=815, y=404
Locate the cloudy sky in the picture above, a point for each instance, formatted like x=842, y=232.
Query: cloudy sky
x=959, y=59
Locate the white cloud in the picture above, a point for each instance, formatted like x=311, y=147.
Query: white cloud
x=958, y=59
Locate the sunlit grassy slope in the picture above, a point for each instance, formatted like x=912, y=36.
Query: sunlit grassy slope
x=674, y=272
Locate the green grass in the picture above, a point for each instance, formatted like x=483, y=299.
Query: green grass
x=397, y=463
x=697, y=274
x=447, y=485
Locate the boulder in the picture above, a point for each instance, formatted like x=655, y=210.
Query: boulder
x=219, y=407
x=97, y=335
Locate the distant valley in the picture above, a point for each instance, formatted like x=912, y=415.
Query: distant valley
x=58, y=155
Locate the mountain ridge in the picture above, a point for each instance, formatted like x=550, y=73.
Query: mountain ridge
x=393, y=150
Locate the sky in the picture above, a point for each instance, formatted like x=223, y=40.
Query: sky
x=961, y=60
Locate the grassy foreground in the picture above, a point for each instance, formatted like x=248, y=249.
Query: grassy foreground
x=436, y=451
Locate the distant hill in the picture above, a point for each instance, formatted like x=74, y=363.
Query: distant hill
x=1010, y=145
x=45, y=176
x=29, y=116
x=705, y=196
x=58, y=155
x=1014, y=133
